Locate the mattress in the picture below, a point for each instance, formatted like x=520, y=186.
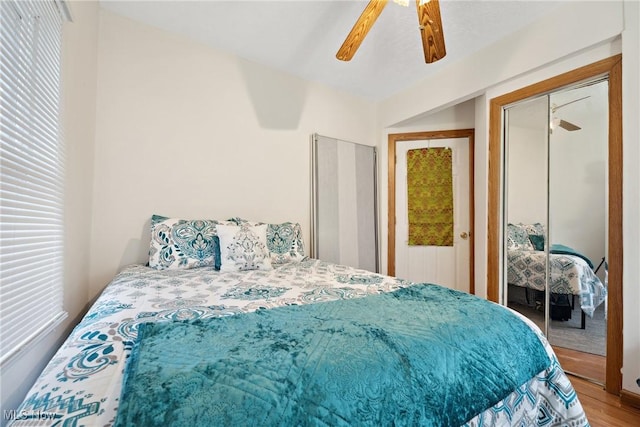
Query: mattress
x=82, y=384
x=570, y=275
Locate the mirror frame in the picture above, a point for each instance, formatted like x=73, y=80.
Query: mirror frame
x=612, y=68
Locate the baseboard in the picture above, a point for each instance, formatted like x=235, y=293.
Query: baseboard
x=629, y=398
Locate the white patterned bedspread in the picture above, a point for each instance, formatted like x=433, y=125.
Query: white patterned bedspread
x=570, y=275
x=81, y=384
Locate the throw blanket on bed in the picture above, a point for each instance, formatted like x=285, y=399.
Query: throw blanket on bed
x=557, y=248
x=410, y=357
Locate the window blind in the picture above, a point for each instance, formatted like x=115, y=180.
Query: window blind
x=32, y=173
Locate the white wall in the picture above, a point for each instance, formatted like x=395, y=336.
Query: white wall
x=553, y=46
x=527, y=175
x=578, y=174
x=631, y=195
x=184, y=130
x=79, y=94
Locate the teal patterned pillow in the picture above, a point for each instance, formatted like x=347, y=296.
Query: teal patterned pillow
x=181, y=244
x=244, y=247
x=518, y=238
x=285, y=243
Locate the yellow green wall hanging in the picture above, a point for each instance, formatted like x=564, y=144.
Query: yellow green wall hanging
x=430, y=196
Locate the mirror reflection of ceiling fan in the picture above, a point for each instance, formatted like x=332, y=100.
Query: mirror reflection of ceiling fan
x=429, y=22
x=556, y=122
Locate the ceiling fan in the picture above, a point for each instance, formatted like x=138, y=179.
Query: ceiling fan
x=429, y=21
x=557, y=122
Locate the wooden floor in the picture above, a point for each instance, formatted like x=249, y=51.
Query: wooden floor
x=582, y=364
x=603, y=409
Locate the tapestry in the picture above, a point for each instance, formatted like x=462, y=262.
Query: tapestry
x=430, y=196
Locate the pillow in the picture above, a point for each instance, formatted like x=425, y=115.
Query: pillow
x=518, y=238
x=181, y=244
x=537, y=241
x=284, y=241
x=244, y=247
x=236, y=220
x=536, y=229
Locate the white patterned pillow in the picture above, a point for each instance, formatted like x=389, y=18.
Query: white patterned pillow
x=244, y=247
x=533, y=229
x=518, y=238
x=180, y=244
x=284, y=241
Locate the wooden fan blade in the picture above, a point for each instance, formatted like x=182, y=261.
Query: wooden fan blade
x=431, y=30
x=360, y=29
x=568, y=126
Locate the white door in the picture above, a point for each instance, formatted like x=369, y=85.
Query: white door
x=443, y=265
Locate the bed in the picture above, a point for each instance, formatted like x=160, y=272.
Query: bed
x=571, y=273
x=297, y=342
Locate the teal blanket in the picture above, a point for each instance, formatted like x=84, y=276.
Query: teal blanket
x=422, y=355
x=559, y=249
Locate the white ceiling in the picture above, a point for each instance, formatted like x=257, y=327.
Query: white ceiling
x=303, y=36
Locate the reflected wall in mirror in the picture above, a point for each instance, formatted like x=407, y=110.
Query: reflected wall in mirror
x=556, y=214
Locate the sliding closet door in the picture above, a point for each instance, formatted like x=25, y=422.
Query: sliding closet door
x=526, y=208
x=556, y=216
x=578, y=159
x=344, y=207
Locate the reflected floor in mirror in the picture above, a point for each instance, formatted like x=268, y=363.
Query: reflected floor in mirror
x=567, y=334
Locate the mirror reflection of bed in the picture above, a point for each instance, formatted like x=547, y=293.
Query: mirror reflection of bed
x=555, y=219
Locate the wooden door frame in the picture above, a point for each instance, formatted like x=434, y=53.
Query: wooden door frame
x=611, y=67
x=391, y=208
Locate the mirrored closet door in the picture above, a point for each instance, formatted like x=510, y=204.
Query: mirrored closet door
x=555, y=215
